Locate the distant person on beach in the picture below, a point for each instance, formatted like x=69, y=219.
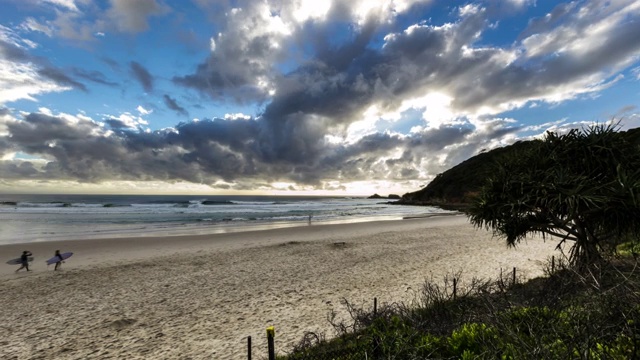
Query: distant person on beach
x=59, y=263
x=310, y=216
x=24, y=260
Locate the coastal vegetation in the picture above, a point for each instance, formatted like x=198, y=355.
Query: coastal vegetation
x=563, y=316
x=581, y=187
x=456, y=187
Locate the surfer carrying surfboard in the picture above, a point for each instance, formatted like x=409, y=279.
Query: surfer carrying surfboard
x=58, y=258
x=24, y=260
x=58, y=263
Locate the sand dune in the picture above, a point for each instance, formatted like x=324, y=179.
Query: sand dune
x=199, y=297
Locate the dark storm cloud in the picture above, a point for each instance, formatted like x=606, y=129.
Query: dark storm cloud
x=133, y=16
x=326, y=94
x=242, y=151
x=341, y=80
x=12, y=52
x=116, y=124
x=431, y=142
x=5, y=146
x=196, y=151
x=142, y=75
x=37, y=129
x=521, y=82
x=242, y=59
x=436, y=139
x=374, y=146
x=94, y=76
x=344, y=81
x=425, y=58
x=173, y=105
x=553, y=66
x=477, y=141
x=549, y=21
x=60, y=78
x=17, y=170
x=218, y=84
x=112, y=63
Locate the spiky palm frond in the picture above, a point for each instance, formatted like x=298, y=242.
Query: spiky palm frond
x=582, y=186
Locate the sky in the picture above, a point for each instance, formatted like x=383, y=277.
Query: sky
x=300, y=97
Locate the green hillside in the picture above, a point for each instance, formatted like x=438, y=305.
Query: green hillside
x=454, y=188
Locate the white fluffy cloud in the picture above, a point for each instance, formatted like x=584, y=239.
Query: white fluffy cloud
x=20, y=77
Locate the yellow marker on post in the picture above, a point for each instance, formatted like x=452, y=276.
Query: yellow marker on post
x=271, y=334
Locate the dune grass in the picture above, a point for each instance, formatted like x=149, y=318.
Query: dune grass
x=566, y=315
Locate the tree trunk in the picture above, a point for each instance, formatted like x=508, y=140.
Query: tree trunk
x=584, y=253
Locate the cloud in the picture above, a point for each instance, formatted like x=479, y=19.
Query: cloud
x=143, y=111
x=94, y=76
x=84, y=21
x=59, y=77
x=23, y=76
x=132, y=16
x=142, y=75
x=67, y=4
x=324, y=99
x=31, y=24
x=22, y=81
x=550, y=20
x=28, y=69
x=125, y=121
x=173, y=105
x=256, y=38
x=73, y=25
x=17, y=170
x=236, y=151
x=111, y=62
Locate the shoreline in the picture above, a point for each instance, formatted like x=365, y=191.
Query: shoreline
x=46, y=218
x=177, y=229
x=144, y=247
x=201, y=296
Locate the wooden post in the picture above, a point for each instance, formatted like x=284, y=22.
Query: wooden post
x=249, y=347
x=271, y=334
x=455, y=288
x=514, y=275
x=375, y=340
x=375, y=307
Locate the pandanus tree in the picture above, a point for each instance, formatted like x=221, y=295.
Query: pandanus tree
x=582, y=186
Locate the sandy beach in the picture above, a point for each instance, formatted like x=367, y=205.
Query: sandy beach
x=199, y=297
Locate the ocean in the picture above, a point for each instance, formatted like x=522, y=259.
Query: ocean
x=35, y=218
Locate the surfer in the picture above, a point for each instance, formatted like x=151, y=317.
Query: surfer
x=59, y=263
x=24, y=260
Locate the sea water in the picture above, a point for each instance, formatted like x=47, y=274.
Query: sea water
x=34, y=218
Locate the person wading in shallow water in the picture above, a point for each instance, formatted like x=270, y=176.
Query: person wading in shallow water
x=24, y=260
x=59, y=263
